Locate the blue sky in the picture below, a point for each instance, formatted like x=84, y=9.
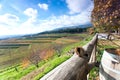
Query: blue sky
x=19, y=17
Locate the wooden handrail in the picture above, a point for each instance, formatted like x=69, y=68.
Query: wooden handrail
x=75, y=68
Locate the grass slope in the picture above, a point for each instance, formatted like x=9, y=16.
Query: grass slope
x=17, y=72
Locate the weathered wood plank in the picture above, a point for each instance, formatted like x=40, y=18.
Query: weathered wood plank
x=93, y=55
x=75, y=68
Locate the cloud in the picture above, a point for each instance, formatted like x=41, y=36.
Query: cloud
x=43, y=6
x=9, y=19
x=77, y=6
x=56, y=22
x=66, y=21
x=35, y=25
x=8, y=22
x=30, y=12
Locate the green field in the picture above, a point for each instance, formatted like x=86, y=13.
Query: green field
x=18, y=56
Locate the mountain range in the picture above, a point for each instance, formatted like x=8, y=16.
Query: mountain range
x=70, y=29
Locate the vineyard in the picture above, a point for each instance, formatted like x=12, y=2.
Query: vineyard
x=36, y=55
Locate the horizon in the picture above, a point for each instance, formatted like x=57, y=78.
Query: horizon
x=20, y=35
x=30, y=17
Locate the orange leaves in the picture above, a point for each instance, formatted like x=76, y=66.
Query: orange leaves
x=91, y=30
x=49, y=53
x=25, y=63
x=106, y=13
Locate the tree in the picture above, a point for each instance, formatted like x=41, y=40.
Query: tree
x=34, y=58
x=58, y=48
x=25, y=63
x=91, y=30
x=48, y=53
x=106, y=15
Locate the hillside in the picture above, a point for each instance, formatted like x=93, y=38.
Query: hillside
x=71, y=29
x=21, y=56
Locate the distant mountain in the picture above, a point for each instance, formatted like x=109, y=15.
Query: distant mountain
x=71, y=29
x=78, y=26
x=9, y=37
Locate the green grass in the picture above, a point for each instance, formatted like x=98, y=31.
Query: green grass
x=11, y=73
x=58, y=60
x=52, y=64
x=81, y=43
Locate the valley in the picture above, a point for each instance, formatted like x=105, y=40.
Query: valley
x=20, y=56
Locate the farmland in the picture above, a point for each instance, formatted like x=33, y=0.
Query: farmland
x=20, y=56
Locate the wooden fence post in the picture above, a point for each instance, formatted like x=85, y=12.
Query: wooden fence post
x=75, y=68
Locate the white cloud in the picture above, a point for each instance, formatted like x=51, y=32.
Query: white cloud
x=66, y=21
x=31, y=12
x=35, y=25
x=8, y=19
x=8, y=22
x=43, y=6
x=55, y=22
x=77, y=6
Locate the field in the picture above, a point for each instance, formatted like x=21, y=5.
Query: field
x=22, y=56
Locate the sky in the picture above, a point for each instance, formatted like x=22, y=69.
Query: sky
x=19, y=17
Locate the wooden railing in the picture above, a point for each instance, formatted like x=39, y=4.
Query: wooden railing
x=78, y=66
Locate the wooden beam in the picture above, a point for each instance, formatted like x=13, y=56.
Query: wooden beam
x=75, y=68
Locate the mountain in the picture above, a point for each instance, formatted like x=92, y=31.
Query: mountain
x=9, y=37
x=71, y=29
